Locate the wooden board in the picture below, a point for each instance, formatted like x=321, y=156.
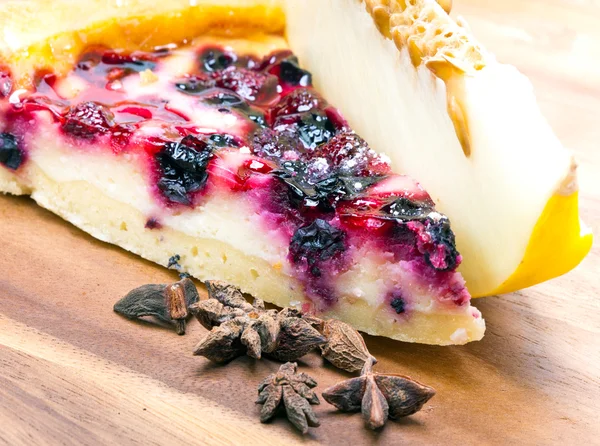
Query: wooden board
x=73, y=372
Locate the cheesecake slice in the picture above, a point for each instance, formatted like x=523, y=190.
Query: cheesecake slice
x=221, y=151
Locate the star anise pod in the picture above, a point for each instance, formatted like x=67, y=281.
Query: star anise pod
x=168, y=303
x=238, y=327
x=293, y=391
x=379, y=396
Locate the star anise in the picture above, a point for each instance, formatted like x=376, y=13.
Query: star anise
x=379, y=396
x=293, y=391
x=168, y=303
x=238, y=327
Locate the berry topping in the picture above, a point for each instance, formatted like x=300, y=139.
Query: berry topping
x=88, y=119
x=224, y=98
x=182, y=167
x=316, y=242
x=11, y=155
x=245, y=82
x=351, y=155
x=215, y=59
x=141, y=112
x=309, y=185
x=313, y=129
x=272, y=145
x=298, y=101
x=292, y=74
x=194, y=84
x=444, y=256
x=136, y=61
x=404, y=209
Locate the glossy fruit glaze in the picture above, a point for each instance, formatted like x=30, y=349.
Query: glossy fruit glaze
x=240, y=124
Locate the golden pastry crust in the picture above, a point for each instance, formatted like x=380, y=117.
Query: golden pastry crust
x=38, y=34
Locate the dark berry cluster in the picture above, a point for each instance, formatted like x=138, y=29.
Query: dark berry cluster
x=442, y=237
x=182, y=168
x=315, y=243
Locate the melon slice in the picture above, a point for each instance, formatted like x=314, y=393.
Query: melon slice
x=419, y=87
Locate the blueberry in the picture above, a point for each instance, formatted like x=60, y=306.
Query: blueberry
x=319, y=241
x=397, y=303
x=292, y=74
x=182, y=166
x=11, y=155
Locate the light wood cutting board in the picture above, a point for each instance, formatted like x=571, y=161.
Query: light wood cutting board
x=73, y=372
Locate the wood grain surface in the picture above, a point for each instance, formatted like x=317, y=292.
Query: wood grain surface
x=74, y=372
